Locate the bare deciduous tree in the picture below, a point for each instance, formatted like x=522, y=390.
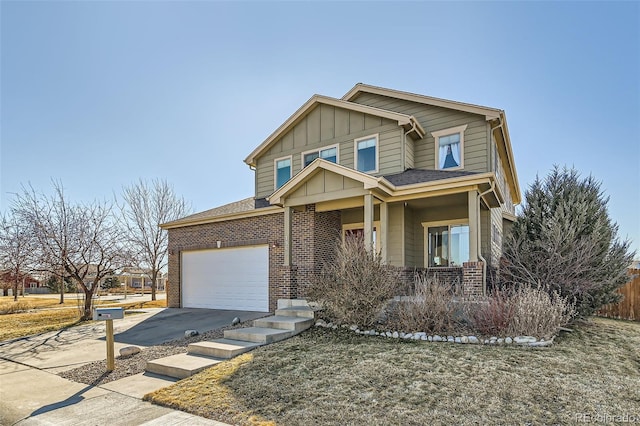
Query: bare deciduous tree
x=16, y=249
x=147, y=205
x=84, y=239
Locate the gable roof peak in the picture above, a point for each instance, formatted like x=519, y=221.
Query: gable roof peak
x=404, y=120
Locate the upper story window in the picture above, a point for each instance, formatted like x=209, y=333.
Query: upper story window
x=367, y=154
x=450, y=148
x=283, y=171
x=329, y=154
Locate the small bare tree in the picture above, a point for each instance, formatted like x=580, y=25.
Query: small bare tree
x=16, y=249
x=85, y=239
x=147, y=205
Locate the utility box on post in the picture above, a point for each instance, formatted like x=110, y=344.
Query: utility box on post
x=103, y=314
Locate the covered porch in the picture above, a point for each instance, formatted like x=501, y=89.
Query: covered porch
x=416, y=219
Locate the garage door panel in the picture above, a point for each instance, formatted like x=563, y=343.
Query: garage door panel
x=233, y=278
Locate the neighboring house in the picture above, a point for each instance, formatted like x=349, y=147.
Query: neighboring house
x=429, y=183
x=136, y=277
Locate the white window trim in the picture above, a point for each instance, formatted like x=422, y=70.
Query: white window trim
x=275, y=170
x=336, y=146
x=355, y=152
x=360, y=225
x=446, y=132
x=425, y=236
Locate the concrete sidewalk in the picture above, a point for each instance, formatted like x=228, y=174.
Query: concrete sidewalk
x=31, y=392
x=29, y=396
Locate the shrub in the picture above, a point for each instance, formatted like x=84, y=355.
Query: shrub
x=538, y=312
x=432, y=308
x=520, y=311
x=564, y=241
x=492, y=316
x=355, y=287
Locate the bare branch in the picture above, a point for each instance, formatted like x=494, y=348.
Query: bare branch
x=146, y=207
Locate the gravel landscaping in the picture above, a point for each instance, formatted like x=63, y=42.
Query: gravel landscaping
x=95, y=373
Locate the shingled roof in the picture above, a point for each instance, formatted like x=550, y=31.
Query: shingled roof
x=411, y=176
x=241, y=206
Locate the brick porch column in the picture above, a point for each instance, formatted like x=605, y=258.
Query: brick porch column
x=472, y=278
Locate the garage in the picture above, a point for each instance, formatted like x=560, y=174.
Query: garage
x=230, y=278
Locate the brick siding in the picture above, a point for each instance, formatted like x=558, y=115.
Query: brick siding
x=472, y=278
x=313, y=244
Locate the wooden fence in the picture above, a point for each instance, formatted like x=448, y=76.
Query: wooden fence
x=629, y=307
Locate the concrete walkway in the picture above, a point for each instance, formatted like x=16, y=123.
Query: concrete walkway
x=31, y=393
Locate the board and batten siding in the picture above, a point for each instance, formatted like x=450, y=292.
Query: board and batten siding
x=409, y=238
x=432, y=118
x=326, y=126
x=395, y=235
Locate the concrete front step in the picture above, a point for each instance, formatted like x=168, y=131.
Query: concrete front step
x=296, y=311
x=221, y=348
x=288, y=303
x=284, y=323
x=259, y=335
x=180, y=366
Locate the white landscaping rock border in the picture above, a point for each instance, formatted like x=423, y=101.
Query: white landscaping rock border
x=518, y=340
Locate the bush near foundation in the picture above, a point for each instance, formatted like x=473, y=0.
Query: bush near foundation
x=521, y=311
x=434, y=307
x=356, y=286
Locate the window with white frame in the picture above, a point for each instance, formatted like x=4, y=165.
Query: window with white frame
x=450, y=148
x=282, y=171
x=447, y=244
x=367, y=154
x=329, y=154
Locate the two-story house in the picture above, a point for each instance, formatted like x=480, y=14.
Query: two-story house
x=429, y=183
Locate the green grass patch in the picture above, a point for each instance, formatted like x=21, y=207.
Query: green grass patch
x=336, y=377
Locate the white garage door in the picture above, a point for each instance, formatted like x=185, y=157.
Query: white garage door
x=231, y=278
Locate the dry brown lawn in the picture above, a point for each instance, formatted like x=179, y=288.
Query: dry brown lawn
x=46, y=314
x=337, y=378
x=34, y=322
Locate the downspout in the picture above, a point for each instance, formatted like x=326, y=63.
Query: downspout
x=493, y=184
x=479, y=248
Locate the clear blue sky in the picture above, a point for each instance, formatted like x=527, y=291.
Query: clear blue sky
x=99, y=94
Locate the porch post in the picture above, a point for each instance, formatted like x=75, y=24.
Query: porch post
x=287, y=235
x=384, y=220
x=474, y=226
x=368, y=221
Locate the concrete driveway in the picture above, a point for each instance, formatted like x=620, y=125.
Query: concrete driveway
x=171, y=324
x=31, y=392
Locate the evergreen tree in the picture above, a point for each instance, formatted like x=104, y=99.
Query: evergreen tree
x=564, y=240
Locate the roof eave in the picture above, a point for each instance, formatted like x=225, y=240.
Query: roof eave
x=488, y=112
x=221, y=218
